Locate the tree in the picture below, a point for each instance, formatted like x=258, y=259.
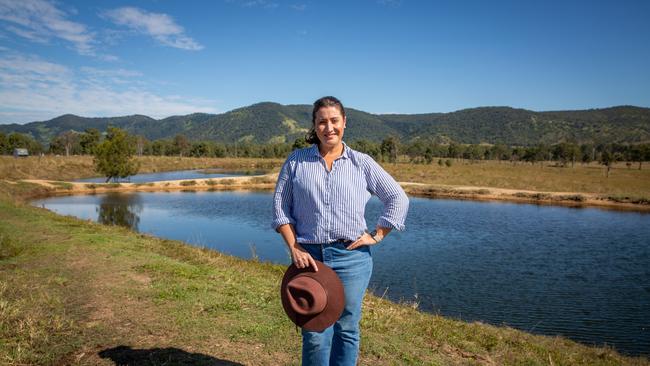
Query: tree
x=587, y=153
x=368, y=147
x=114, y=156
x=4, y=144
x=531, y=155
x=69, y=139
x=415, y=150
x=428, y=155
x=181, y=145
x=499, y=152
x=200, y=149
x=219, y=150
x=299, y=143
x=454, y=150
x=607, y=157
x=159, y=147
x=640, y=153
x=18, y=140
x=89, y=140
x=389, y=148
x=473, y=153
x=565, y=152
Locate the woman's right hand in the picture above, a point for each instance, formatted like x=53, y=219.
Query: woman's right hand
x=301, y=258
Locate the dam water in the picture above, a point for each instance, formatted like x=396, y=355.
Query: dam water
x=581, y=273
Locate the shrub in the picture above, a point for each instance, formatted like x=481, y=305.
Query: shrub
x=186, y=183
x=541, y=196
x=448, y=163
x=628, y=199
x=573, y=197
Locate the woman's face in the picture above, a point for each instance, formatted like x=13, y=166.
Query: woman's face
x=329, y=125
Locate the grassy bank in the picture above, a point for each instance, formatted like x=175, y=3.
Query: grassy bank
x=76, y=292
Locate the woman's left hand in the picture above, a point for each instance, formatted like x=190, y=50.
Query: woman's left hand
x=364, y=239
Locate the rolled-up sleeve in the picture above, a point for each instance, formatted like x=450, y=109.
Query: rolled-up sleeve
x=283, y=197
x=396, y=203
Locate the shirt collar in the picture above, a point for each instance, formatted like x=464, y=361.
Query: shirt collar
x=346, y=151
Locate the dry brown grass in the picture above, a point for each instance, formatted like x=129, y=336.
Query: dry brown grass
x=622, y=181
x=75, y=167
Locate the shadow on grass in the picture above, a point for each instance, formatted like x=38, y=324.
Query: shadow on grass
x=127, y=356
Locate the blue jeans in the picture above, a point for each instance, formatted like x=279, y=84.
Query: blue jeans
x=339, y=344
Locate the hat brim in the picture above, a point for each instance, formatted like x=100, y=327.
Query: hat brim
x=335, y=297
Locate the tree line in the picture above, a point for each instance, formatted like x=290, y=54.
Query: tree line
x=419, y=151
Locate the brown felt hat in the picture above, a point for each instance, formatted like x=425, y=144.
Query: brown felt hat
x=312, y=300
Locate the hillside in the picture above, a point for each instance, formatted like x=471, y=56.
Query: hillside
x=271, y=122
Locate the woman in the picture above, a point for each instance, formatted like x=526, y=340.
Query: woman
x=319, y=204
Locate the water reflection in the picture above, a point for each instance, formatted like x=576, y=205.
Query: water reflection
x=120, y=210
x=172, y=175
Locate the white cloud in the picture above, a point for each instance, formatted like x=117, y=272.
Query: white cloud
x=40, y=21
x=34, y=89
x=299, y=7
x=161, y=27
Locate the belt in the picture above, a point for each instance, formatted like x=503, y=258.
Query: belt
x=344, y=241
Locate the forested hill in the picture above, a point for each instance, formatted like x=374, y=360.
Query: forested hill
x=272, y=122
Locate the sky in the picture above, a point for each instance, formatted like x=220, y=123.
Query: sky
x=162, y=58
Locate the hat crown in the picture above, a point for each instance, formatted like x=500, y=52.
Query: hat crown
x=313, y=300
x=306, y=295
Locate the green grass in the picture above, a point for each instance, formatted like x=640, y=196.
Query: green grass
x=71, y=290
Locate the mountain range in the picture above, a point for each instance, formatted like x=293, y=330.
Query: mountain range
x=275, y=123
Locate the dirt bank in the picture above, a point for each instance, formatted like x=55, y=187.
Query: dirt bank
x=267, y=182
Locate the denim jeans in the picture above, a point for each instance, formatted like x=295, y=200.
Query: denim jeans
x=339, y=344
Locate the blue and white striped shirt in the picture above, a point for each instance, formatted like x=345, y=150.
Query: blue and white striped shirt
x=325, y=206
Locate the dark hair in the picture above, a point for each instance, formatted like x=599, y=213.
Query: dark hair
x=328, y=101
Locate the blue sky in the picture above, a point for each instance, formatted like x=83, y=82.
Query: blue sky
x=162, y=58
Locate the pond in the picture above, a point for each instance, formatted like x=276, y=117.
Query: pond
x=581, y=273
x=172, y=175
